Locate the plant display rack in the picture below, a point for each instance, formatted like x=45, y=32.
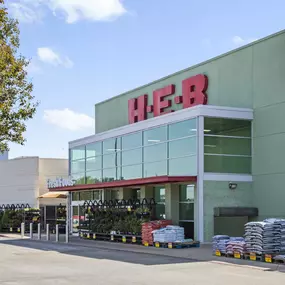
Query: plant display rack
x=11, y=217
x=120, y=217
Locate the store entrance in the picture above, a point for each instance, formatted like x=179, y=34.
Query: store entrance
x=187, y=209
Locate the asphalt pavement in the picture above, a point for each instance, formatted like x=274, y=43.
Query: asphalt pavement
x=37, y=263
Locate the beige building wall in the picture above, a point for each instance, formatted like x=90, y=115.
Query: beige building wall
x=19, y=181
x=23, y=180
x=51, y=168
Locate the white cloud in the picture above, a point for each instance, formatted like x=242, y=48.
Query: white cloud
x=68, y=119
x=71, y=10
x=24, y=13
x=239, y=41
x=47, y=55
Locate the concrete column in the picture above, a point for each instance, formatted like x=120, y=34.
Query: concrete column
x=200, y=179
x=22, y=230
x=107, y=194
x=125, y=193
x=172, y=203
x=196, y=214
x=48, y=233
x=56, y=233
x=147, y=192
x=121, y=193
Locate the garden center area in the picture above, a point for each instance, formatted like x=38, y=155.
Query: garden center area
x=13, y=215
x=130, y=221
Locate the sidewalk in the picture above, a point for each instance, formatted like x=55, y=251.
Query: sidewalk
x=202, y=254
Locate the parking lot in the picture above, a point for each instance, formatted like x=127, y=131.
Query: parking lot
x=32, y=262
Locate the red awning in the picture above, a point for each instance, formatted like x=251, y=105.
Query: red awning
x=127, y=183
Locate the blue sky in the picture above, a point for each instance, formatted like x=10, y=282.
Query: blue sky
x=85, y=51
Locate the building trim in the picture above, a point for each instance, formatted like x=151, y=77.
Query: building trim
x=227, y=177
x=127, y=183
x=184, y=114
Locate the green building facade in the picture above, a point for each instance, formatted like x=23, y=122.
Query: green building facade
x=215, y=165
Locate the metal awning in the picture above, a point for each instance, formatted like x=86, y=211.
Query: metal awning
x=126, y=183
x=58, y=195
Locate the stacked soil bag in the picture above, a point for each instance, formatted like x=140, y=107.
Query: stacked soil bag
x=235, y=244
x=219, y=242
x=148, y=228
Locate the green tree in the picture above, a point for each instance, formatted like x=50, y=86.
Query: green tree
x=17, y=103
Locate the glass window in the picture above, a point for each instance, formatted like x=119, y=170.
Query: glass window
x=227, y=127
x=79, y=178
x=159, y=210
x=93, y=177
x=111, y=174
x=186, y=193
x=159, y=194
x=227, y=164
x=94, y=149
x=226, y=145
x=97, y=194
x=112, y=160
x=111, y=145
x=155, y=135
x=183, y=129
x=77, y=166
x=93, y=163
x=86, y=195
x=155, y=152
x=132, y=172
x=132, y=156
x=75, y=197
x=183, y=147
x=183, y=166
x=158, y=168
x=114, y=194
x=186, y=211
x=78, y=153
x=132, y=141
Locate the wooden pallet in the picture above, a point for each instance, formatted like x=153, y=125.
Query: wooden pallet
x=229, y=255
x=177, y=245
x=253, y=257
x=111, y=238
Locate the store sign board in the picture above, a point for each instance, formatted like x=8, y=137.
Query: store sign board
x=193, y=94
x=60, y=182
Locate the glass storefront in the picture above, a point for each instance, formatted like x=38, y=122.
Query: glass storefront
x=165, y=150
